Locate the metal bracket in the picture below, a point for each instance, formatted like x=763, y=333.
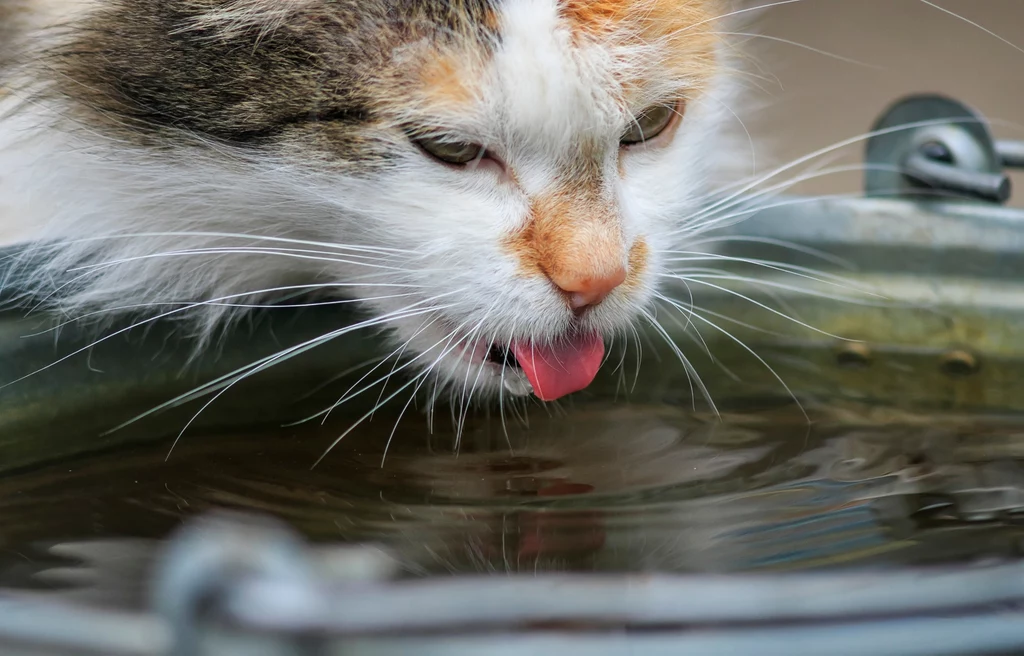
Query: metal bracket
x=933, y=147
x=209, y=557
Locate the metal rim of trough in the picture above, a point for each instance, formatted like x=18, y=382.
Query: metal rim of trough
x=214, y=598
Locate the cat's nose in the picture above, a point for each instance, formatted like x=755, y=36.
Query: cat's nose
x=589, y=288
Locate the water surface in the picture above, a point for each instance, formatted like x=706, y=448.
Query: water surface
x=604, y=488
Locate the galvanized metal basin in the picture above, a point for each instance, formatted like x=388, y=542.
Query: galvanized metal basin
x=906, y=304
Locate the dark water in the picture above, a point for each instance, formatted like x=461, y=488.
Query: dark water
x=623, y=488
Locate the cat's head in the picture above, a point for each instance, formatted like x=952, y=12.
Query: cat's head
x=491, y=175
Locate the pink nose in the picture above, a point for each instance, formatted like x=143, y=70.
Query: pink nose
x=589, y=290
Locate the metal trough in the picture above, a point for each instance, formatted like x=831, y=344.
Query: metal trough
x=910, y=297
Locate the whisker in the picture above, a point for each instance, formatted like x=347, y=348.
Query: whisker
x=690, y=329
x=793, y=246
x=99, y=266
x=374, y=409
x=759, y=359
x=116, y=333
x=639, y=358
x=401, y=350
x=798, y=271
x=184, y=306
x=276, y=358
x=744, y=188
x=241, y=235
x=804, y=46
x=691, y=372
x=685, y=327
x=397, y=353
x=763, y=306
x=349, y=394
x=464, y=399
x=973, y=24
x=230, y=377
x=343, y=374
x=338, y=440
x=501, y=391
x=703, y=224
x=387, y=445
x=725, y=317
x=696, y=274
x=750, y=138
x=737, y=12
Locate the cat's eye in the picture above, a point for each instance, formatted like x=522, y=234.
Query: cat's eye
x=649, y=124
x=458, y=153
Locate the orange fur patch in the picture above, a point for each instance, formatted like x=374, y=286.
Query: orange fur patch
x=492, y=20
x=651, y=18
x=596, y=16
x=444, y=80
x=638, y=254
x=675, y=38
x=572, y=237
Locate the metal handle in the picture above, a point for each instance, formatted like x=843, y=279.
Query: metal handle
x=927, y=145
x=1011, y=154
x=933, y=165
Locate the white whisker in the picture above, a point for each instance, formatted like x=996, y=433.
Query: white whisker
x=793, y=246
x=973, y=24
x=759, y=359
x=691, y=372
x=691, y=330
x=230, y=378
x=241, y=235
x=795, y=270
x=726, y=290
x=744, y=188
x=375, y=408
x=804, y=46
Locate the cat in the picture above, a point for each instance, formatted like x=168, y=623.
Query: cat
x=496, y=181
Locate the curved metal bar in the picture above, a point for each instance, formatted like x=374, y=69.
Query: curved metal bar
x=930, y=172
x=927, y=637
x=49, y=628
x=441, y=604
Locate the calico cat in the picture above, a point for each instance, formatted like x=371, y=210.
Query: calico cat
x=496, y=181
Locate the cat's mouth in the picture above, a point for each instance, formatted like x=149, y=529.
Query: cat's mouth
x=503, y=357
x=549, y=370
x=511, y=374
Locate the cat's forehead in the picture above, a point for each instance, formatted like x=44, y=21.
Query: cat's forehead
x=582, y=58
x=264, y=70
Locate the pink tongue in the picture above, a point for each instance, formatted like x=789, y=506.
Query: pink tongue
x=555, y=371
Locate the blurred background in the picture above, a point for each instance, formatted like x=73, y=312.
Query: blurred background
x=808, y=100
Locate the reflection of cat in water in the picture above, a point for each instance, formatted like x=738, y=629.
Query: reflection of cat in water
x=614, y=450
x=706, y=496
x=590, y=491
x=693, y=496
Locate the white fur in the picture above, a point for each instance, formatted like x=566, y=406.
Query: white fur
x=438, y=231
